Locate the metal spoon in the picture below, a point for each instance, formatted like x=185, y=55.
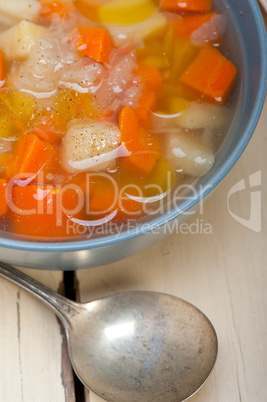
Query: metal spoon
x=135, y=346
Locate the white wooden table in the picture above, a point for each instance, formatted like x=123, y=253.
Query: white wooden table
x=223, y=273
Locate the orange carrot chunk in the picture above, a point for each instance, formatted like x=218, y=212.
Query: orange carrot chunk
x=32, y=155
x=186, y=5
x=3, y=201
x=103, y=195
x=147, y=103
x=45, y=132
x=152, y=83
x=129, y=126
x=150, y=76
x=42, y=210
x=210, y=75
x=93, y=42
x=129, y=208
x=144, y=147
x=61, y=8
x=2, y=68
x=145, y=159
x=187, y=24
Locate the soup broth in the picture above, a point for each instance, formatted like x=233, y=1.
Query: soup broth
x=108, y=110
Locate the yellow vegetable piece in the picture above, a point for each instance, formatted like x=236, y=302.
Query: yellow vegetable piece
x=121, y=12
x=163, y=177
x=68, y=105
x=182, y=54
x=177, y=104
x=7, y=128
x=18, y=113
x=160, y=181
x=86, y=106
x=151, y=28
x=6, y=164
x=172, y=105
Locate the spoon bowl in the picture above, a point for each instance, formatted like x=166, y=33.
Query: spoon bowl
x=134, y=346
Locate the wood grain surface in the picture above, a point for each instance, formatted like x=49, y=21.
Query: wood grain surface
x=264, y=4
x=34, y=362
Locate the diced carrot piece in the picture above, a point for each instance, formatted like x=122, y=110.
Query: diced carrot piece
x=45, y=132
x=152, y=83
x=143, y=146
x=61, y=8
x=106, y=197
x=82, y=180
x=129, y=208
x=186, y=5
x=32, y=155
x=129, y=126
x=144, y=160
x=106, y=113
x=93, y=42
x=210, y=75
x=69, y=199
x=150, y=76
x=42, y=210
x=103, y=195
x=3, y=201
x=187, y=24
x=2, y=67
x=147, y=102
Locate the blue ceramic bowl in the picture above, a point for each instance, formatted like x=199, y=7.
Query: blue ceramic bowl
x=248, y=36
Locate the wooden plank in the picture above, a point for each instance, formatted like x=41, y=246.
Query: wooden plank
x=263, y=3
x=223, y=273
x=34, y=365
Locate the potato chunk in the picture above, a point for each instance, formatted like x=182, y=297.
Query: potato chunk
x=138, y=32
x=188, y=154
x=17, y=42
x=191, y=116
x=13, y=11
x=88, y=146
x=200, y=115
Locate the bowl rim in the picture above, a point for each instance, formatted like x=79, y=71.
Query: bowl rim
x=223, y=170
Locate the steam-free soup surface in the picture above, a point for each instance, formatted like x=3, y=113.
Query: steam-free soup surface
x=106, y=108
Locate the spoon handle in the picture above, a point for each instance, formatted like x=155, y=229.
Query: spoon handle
x=64, y=308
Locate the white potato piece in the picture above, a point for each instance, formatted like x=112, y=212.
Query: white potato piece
x=13, y=11
x=17, y=42
x=139, y=32
x=90, y=146
x=197, y=116
x=188, y=153
x=201, y=115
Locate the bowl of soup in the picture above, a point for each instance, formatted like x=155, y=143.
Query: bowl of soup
x=117, y=118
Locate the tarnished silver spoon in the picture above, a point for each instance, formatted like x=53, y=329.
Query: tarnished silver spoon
x=134, y=346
